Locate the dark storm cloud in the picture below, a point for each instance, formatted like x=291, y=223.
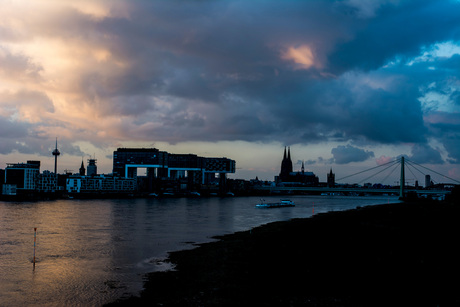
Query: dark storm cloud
x=442, y=117
x=346, y=154
x=219, y=53
x=25, y=138
x=13, y=130
x=344, y=109
x=397, y=30
x=448, y=135
x=200, y=50
x=424, y=154
x=286, y=71
x=16, y=136
x=69, y=149
x=452, y=145
x=228, y=52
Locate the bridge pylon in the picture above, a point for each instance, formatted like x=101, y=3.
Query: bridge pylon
x=402, y=180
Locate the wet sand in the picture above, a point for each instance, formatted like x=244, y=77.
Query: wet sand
x=403, y=254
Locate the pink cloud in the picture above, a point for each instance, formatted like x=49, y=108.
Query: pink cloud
x=383, y=159
x=454, y=172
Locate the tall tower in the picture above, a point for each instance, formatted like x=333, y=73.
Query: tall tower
x=82, y=168
x=55, y=153
x=331, y=179
x=91, y=169
x=283, y=174
x=289, y=163
x=286, y=165
x=427, y=181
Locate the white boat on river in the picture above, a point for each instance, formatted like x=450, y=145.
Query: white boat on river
x=281, y=203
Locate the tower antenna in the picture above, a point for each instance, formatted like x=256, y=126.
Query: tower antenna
x=55, y=153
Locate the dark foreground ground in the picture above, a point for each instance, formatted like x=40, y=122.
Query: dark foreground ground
x=389, y=255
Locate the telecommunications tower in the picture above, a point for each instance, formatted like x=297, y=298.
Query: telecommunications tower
x=55, y=153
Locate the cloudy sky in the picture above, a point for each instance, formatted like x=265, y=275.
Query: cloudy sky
x=348, y=84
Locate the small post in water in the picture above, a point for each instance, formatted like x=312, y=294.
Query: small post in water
x=35, y=240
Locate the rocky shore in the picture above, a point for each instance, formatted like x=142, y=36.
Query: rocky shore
x=403, y=254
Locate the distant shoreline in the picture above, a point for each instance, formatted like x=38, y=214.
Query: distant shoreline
x=381, y=255
x=77, y=196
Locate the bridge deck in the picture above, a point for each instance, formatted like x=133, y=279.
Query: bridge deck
x=349, y=190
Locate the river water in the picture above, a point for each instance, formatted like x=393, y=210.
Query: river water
x=91, y=252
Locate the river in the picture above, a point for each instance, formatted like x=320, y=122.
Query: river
x=91, y=252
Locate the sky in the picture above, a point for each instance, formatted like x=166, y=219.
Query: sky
x=348, y=84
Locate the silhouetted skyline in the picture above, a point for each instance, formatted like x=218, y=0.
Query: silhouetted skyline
x=346, y=84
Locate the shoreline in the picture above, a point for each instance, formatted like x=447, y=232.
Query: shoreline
x=381, y=255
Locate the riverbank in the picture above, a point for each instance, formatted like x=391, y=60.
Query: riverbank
x=387, y=255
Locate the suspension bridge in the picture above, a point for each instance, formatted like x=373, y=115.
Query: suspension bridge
x=401, y=188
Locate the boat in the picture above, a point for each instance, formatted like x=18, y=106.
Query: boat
x=281, y=203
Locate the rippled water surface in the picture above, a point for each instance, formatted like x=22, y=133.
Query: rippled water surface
x=90, y=252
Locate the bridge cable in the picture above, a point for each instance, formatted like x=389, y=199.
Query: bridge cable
x=413, y=165
x=409, y=163
x=410, y=170
x=395, y=167
x=379, y=172
x=372, y=168
x=435, y=172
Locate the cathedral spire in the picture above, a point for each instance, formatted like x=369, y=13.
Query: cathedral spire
x=286, y=164
x=82, y=168
x=289, y=161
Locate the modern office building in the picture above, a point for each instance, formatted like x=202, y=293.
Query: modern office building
x=21, y=178
x=9, y=189
x=2, y=178
x=99, y=184
x=161, y=164
x=23, y=175
x=47, y=182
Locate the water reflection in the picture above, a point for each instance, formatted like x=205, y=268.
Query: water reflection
x=91, y=252
x=69, y=242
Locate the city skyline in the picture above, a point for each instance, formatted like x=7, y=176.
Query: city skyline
x=346, y=84
x=363, y=177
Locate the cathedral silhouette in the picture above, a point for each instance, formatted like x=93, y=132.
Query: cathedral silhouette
x=288, y=177
x=286, y=165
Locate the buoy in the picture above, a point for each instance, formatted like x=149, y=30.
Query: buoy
x=35, y=240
